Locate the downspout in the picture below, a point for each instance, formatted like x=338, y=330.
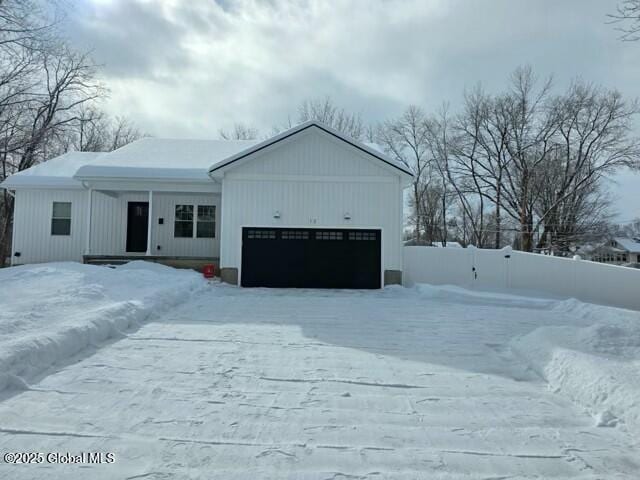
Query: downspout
x=219, y=226
x=87, y=247
x=149, y=223
x=13, y=228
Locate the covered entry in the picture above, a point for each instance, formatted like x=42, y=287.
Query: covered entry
x=311, y=258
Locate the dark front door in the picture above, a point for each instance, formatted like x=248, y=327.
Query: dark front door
x=137, y=226
x=310, y=258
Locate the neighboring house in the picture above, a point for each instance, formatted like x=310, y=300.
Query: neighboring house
x=617, y=251
x=309, y=207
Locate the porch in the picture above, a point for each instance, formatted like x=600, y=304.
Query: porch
x=194, y=263
x=180, y=229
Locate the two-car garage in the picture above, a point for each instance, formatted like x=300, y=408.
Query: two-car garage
x=311, y=208
x=311, y=258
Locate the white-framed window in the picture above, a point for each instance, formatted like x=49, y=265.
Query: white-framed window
x=195, y=221
x=61, y=218
x=206, y=221
x=183, y=224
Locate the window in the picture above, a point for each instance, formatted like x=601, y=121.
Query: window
x=261, y=234
x=183, y=226
x=362, y=235
x=328, y=235
x=206, y=227
x=295, y=235
x=61, y=218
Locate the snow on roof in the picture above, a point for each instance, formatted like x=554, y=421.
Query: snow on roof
x=161, y=159
x=57, y=172
x=164, y=158
x=629, y=244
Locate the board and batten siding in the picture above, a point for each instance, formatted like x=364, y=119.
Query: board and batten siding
x=34, y=209
x=164, y=206
x=32, y=219
x=312, y=180
x=109, y=224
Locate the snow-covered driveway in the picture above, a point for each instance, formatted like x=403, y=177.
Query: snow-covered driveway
x=319, y=385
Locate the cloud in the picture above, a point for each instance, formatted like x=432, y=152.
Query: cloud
x=188, y=68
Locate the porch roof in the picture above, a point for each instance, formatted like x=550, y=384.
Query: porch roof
x=57, y=172
x=162, y=159
x=156, y=159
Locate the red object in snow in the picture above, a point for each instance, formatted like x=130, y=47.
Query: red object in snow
x=209, y=270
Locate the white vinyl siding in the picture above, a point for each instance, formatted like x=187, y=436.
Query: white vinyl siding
x=313, y=180
x=109, y=224
x=33, y=217
x=34, y=242
x=109, y=221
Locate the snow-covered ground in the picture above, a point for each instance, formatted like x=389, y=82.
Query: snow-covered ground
x=49, y=312
x=401, y=383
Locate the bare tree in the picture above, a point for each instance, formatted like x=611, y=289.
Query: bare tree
x=326, y=112
x=629, y=229
x=406, y=139
x=240, y=131
x=69, y=83
x=442, y=146
x=476, y=165
x=95, y=131
x=43, y=87
x=122, y=131
x=593, y=138
x=627, y=15
x=537, y=157
x=92, y=129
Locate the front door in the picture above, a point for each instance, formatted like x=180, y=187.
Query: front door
x=137, y=226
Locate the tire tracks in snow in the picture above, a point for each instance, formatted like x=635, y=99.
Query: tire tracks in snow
x=345, y=381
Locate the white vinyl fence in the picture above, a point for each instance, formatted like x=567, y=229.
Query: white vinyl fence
x=512, y=270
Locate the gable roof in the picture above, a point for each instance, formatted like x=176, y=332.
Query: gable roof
x=57, y=172
x=165, y=159
x=366, y=148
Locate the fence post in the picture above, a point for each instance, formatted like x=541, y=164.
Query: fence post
x=508, y=253
x=574, y=266
x=472, y=259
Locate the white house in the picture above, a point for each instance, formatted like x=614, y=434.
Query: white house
x=309, y=207
x=617, y=250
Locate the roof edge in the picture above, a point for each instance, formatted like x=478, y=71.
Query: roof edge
x=298, y=129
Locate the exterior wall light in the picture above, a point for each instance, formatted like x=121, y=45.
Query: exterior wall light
x=276, y=214
x=347, y=216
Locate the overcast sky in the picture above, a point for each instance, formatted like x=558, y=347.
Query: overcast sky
x=185, y=68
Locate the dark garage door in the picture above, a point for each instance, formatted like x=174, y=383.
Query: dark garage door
x=310, y=258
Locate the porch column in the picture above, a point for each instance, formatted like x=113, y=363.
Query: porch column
x=87, y=247
x=150, y=222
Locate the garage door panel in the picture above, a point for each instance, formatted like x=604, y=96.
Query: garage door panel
x=311, y=258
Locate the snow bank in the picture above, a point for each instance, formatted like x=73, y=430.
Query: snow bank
x=49, y=312
x=589, y=353
x=597, y=364
x=460, y=294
